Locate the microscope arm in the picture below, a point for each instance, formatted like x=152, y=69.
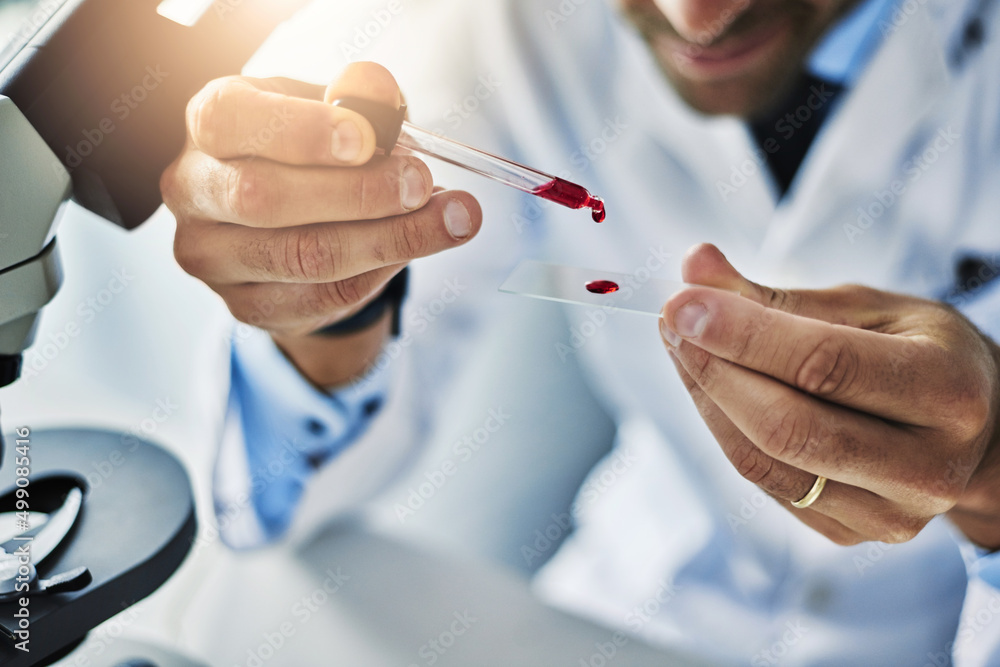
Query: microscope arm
x=34, y=189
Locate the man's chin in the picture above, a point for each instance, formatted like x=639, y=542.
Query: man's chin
x=725, y=98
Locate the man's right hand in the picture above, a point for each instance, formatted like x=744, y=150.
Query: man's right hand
x=285, y=211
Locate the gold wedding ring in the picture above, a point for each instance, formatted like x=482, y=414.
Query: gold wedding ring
x=812, y=496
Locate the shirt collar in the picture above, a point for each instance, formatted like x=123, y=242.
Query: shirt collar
x=847, y=48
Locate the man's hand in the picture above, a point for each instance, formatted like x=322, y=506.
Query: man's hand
x=284, y=209
x=894, y=399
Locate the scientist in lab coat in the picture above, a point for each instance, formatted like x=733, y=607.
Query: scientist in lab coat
x=833, y=495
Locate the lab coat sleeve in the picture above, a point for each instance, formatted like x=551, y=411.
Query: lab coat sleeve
x=977, y=642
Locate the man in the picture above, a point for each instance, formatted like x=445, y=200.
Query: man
x=816, y=143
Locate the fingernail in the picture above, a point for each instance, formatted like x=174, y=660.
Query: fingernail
x=457, y=219
x=346, y=142
x=691, y=319
x=672, y=339
x=411, y=188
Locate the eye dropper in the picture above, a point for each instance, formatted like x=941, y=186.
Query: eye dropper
x=392, y=130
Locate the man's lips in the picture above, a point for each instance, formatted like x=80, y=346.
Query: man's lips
x=728, y=57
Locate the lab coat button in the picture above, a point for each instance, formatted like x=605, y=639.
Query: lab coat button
x=315, y=427
x=974, y=34
x=316, y=460
x=818, y=597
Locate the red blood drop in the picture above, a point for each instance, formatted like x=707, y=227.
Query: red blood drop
x=598, y=212
x=602, y=287
x=572, y=195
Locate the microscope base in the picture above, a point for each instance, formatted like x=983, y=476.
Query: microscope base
x=135, y=528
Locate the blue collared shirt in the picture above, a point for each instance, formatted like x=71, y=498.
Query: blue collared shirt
x=844, y=53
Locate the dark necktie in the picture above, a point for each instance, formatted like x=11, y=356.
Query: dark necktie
x=786, y=133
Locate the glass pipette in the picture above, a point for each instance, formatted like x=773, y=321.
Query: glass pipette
x=500, y=169
x=392, y=130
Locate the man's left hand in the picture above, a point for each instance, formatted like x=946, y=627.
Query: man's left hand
x=894, y=399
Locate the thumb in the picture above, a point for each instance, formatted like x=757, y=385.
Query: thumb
x=704, y=264
x=368, y=81
x=851, y=305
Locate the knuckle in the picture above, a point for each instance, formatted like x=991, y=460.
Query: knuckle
x=754, y=340
x=309, y=254
x=410, y=238
x=753, y=465
x=843, y=538
x=261, y=254
x=900, y=528
x=969, y=409
x=941, y=493
x=168, y=185
x=251, y=194
x=186, y=253
x=692, y=387
x=316, y=301
x=242, y=311
x=206, y=114
x=860, y=293
x=702, y=367
x=779, y=299
x=829, y=369
x=757, y=467
x=366, y=191
x=792, y=434
x=349, y=292
x=324, y=298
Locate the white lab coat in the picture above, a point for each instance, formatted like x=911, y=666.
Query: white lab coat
x=575, y=93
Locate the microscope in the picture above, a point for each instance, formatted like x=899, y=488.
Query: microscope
x=63, y=574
